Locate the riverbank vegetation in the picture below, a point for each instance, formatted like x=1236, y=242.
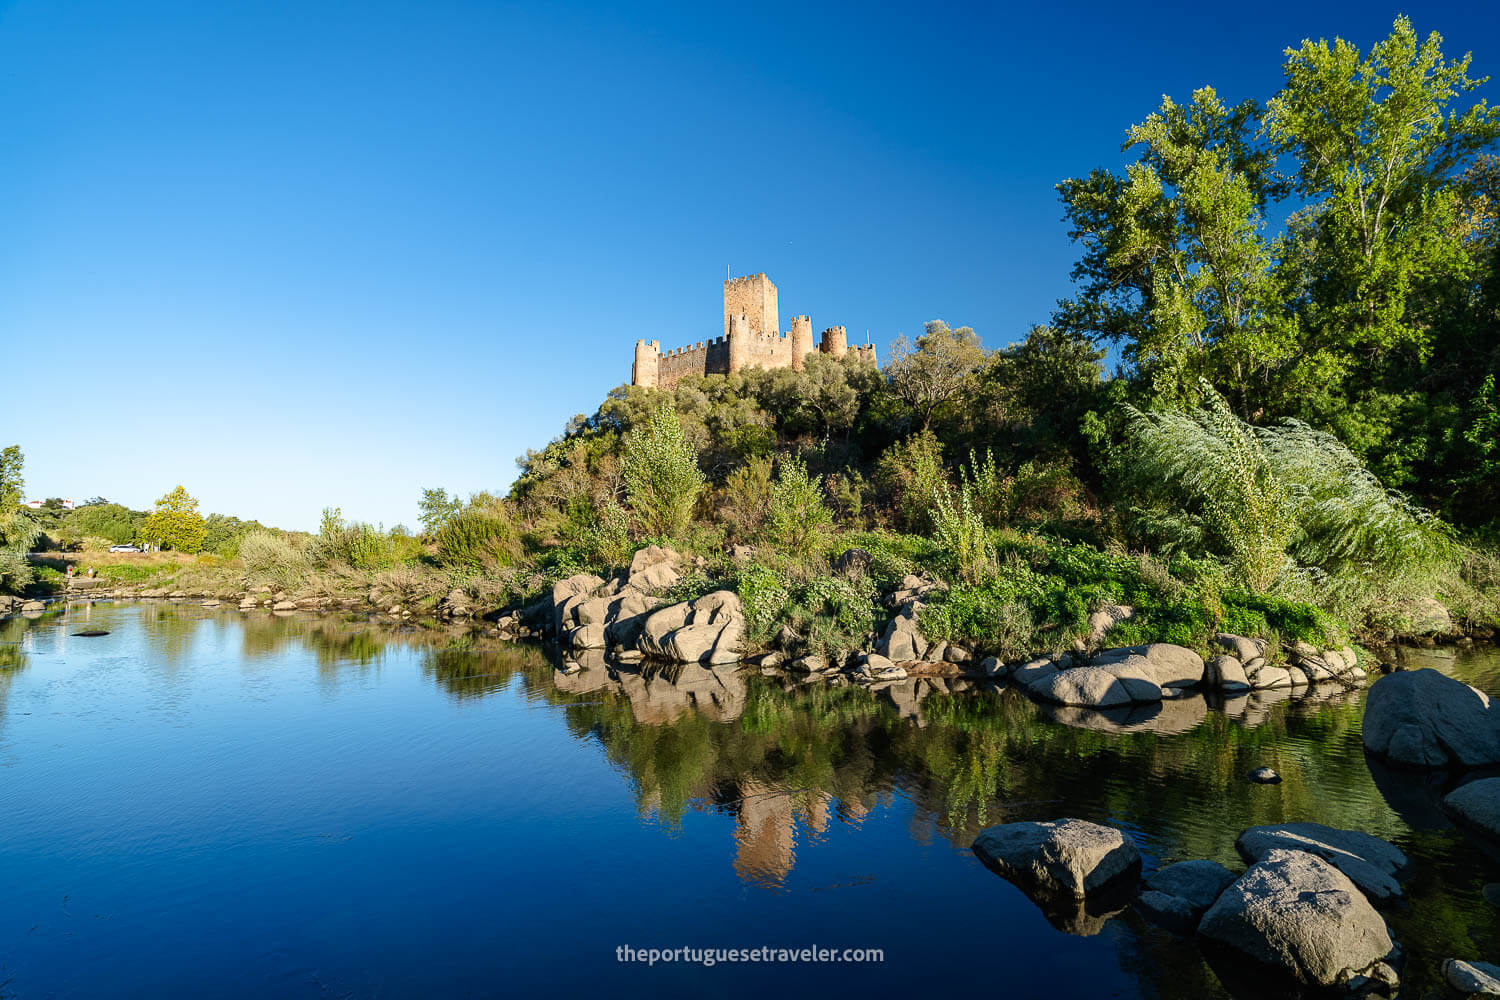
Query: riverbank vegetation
x=1301, y=301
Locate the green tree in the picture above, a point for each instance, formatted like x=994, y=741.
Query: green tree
x=17, y=530
x=435, y=508
x=176, y=523
x=936, y=369
x=662, y=478
x=796, y=513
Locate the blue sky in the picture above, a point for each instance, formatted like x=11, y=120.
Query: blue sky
x=315, y=253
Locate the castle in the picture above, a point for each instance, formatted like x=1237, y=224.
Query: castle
x=752, y=339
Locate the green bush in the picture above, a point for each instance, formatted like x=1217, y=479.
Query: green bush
x=481, y=538
x=275, y=557
x=662, y=478
x=796, y=513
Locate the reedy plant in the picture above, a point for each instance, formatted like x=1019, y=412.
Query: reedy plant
x=959, y=529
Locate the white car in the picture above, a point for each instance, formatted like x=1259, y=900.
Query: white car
x=123, y=548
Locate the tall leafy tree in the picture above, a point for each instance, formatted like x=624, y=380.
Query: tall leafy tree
x=17, y=530
x=176, y=523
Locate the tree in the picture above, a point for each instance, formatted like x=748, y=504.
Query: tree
x=17, y=530
x=175, y=523
x=662, y=478
x=937, y=369
x=436, y=507
x=1175, y=264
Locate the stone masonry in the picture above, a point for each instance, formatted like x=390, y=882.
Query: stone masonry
x=752, y=339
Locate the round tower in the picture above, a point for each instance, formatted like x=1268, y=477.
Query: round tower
x=647, y=363
x=835, y=341
x=739, y=343
x=802, y=342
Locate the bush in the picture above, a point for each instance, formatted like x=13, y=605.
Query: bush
x=959, y=531
x=275, y=557
x=662, y=478
x=910, y=472
x=478, y=537
x=796, y=513
x=744, y=499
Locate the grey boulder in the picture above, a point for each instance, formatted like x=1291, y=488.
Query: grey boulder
x=1297, y=915
x=1421, y=718
x=1177, y=896
x=1370, y=863
x=1069, y=857
x=1097, y=687
x=1475, y=979
x=1477, y=804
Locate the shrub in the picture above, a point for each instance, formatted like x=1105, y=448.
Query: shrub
x=744, y=499
x=910, y=472
x=796, y=513
x=482, y=537
x=275, y=557
x=959, y=530
x=662, y=478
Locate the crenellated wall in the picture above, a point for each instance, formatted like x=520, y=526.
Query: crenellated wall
x=751, y=340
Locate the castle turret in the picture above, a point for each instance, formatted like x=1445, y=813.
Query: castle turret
x=802, y=342
x=647, y=363
x=739, y=343
x=835, y=341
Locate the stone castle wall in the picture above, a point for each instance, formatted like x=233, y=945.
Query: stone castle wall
x=751, y=340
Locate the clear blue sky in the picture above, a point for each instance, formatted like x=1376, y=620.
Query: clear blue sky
x=316, y=253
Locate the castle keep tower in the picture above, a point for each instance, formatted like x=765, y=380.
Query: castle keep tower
x=752, y=339
x=755, y=296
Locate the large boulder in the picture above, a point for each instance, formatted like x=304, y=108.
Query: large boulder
x=1070, y=857
x=1421, y=718
x=1300, y=917
x=1370, y=863
x=1098, y=687
x=902, y=639
x=1167, y=664
x=1177, y=896
x=1476, y=804
x=568, y=592
x=710, y=629
x=651, y=569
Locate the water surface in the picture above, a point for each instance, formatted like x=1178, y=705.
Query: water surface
x=208, y=804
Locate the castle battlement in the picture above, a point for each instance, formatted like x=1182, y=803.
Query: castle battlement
x=751, y=339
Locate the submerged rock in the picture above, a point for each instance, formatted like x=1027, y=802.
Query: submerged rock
x=1477, y=804
x=1264, y=776
x=1369, y=862
x=1177, y=896
x=1168, y=665
x=1297, y=915
x=1421, y=718
x=1472, y=978
x=1071, y=857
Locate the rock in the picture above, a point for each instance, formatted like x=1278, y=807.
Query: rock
x=957, y=654
x=1177, y=896
x=1269, y=677
x=1106, y=618
x=1032, y=672
x=809, y=664
x=1421, y=718
x=1491, y=893
x=1241, y=648
x=742, y=553
x=1429, y=617
x=1479, y=979
x=902, y=640
x=1370, y=863
x=1298, y=915
x=709, y=629
x=1264, y=776
x=1070, y=857
x=853, y=561
x=1227, y=673
x=1097, y=687
x=284, y=606
x=33, y=606
x=1477, y=804
x=1166, y=664
x=991, y=666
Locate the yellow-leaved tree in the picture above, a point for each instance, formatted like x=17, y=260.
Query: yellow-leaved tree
x=176, y=523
